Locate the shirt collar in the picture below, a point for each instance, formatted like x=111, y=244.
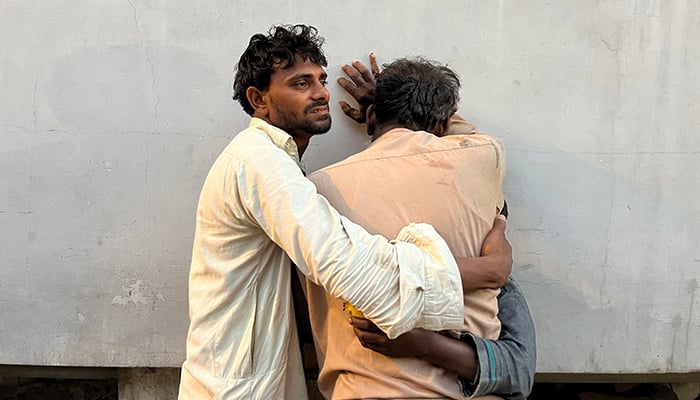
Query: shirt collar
x=392, y=132
x=279, y=137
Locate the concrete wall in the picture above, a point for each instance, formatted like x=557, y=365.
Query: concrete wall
x=112, y=111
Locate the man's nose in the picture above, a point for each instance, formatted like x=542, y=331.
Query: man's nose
x=321, y=92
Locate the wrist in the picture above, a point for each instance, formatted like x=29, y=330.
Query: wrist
x=501, y=266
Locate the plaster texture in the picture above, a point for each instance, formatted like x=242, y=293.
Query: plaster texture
x=112, y=112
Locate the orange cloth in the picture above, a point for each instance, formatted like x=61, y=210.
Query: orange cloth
x=453, y=183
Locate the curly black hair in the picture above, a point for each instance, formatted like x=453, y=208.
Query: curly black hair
x=277, y=49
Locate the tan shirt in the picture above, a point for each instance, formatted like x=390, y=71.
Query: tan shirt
x=454, y=183
x=256, y=211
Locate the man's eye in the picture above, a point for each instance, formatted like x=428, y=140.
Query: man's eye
x=324, y=82
x=300, y=84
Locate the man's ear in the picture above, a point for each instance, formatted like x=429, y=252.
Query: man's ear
x=371, y=119
x=257, y=100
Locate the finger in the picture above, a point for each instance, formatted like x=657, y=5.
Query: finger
x=366, y=344
x=366, y=74
x=374, y=347
x=346, y=84
x=363, y=336
x=350, y=111
x=373, y=64
x=349, y=87
x=370, y=326
x=364, y=324
x=499, y=224
x=495, y=240
x=497, y=234
x=368, y=338
x=353, y=73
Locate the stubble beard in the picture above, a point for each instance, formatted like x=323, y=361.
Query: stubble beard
x=308, y=125
x=318, y=127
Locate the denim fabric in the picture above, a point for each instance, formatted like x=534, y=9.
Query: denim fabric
x=507, y=365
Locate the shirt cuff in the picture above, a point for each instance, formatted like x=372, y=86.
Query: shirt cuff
x=443, y=301
x=485, y=378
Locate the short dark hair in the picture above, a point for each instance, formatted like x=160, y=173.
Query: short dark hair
x=277, y=49
x=416, y=93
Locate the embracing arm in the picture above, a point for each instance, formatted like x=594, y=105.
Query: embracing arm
x=454, y=355
x=491, y=270
x=388, y=281
x=505, y=367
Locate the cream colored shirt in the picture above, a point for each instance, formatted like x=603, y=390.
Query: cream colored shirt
x=256, y=211
x=453, y=182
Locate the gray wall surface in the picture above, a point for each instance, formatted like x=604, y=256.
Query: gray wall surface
x=112, y=111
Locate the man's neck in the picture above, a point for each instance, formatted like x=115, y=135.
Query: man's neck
x=302, y=143
x=382, y=129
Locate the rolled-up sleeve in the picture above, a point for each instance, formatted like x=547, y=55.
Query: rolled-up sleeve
x=506, y=366
x=435, y=271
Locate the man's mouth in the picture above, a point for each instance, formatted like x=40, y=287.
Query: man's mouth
x=319, y=109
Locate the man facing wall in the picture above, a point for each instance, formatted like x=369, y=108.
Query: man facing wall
x=413, y=171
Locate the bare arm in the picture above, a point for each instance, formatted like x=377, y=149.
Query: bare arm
x=446, y=352
x=490, y=270
x=506, y=366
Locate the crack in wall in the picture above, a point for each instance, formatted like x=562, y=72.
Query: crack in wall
x=35, y=106
x=609, y=46
x=150, y=64
x=156, y=96
x=692, y=287
x=30, y=150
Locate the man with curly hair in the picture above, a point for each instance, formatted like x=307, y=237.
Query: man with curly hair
x=257, y=213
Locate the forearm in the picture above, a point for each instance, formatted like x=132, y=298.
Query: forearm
x=504, y=367
x=451, y=354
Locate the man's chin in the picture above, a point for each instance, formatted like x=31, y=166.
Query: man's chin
x=321, y=126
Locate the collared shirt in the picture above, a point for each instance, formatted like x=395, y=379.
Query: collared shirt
x=453, y=182
x=255, y=212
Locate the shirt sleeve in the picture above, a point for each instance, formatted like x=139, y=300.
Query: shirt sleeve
x=411, y=282
x=460, y=126
x=506, y=367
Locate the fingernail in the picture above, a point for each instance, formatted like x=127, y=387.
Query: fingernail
x=501, y=217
